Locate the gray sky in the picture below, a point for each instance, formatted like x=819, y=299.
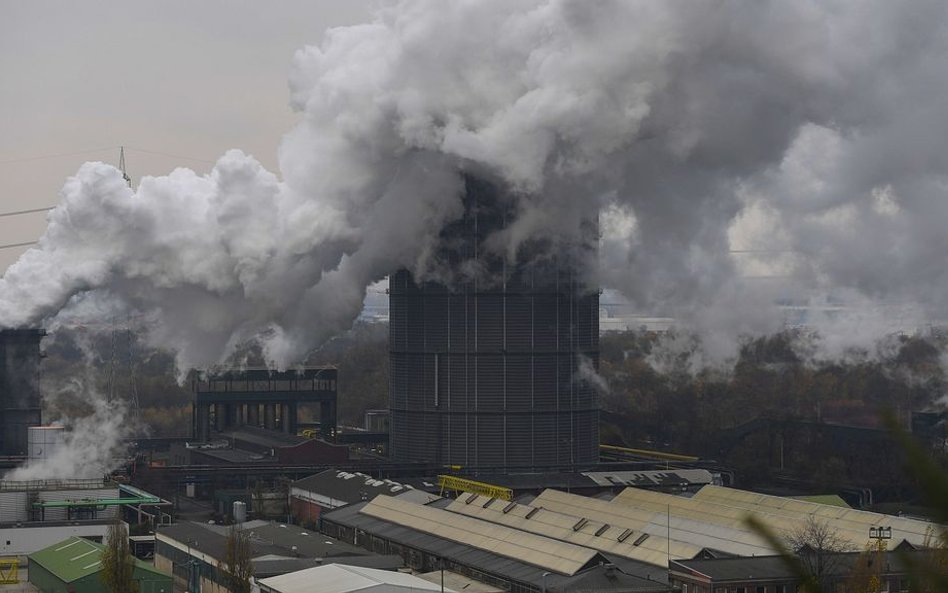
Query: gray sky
x=184, y=78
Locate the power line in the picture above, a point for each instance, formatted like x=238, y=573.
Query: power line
x=12, y=245
x=57, y=155
x=30, y=211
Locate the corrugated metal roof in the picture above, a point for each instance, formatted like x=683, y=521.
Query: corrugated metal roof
x=653, y=478
x=596, y=534
x=459, y=582
x=486, y=561
x=852, y=524
x=561, y=557
x=655, y=521
x=339, y=578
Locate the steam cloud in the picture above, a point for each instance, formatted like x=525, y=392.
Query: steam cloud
x=813, y=129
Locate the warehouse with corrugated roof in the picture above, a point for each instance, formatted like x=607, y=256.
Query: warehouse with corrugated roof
x=555, y=539
x=75, y=566
x=430, y=538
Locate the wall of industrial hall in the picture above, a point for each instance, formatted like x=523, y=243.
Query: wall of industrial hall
x=485, y=372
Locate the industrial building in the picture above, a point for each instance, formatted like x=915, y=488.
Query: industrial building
x=485, y=369
x=74, y=565
x=331, y=489
x=431, y=538
x=263, y=398
x=38, y=513
x=551, y=541
x=20, y=405
x=193, y=552
x=774, y=575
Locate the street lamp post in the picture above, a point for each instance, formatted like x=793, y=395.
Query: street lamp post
x=545, y=574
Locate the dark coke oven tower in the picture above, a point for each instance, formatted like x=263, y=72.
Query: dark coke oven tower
x=485, y=374
x=20, y=405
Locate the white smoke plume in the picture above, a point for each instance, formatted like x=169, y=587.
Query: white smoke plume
x=815, y=129
x=94, y=426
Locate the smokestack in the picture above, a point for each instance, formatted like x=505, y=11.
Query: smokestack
x=20, y=406
x=485, y=369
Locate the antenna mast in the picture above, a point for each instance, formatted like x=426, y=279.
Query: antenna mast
x=125, y=176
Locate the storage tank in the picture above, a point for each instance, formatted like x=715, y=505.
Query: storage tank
x=485, y=372
x=44, y=442
x=240, y=511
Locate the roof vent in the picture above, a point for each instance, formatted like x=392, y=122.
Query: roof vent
x=532, y=512
x=624, y=535
x=602, y=530
x=510, y=506
x=638, y=541
x=579, y=524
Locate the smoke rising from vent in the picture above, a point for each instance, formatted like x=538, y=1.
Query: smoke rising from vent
x=810, y=130
x=96, y=424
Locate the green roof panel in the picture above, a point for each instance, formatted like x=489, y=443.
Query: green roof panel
x=71, y=559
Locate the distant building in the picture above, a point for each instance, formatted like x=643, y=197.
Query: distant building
x=74, y=565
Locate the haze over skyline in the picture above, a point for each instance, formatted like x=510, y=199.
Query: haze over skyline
x=185, y=81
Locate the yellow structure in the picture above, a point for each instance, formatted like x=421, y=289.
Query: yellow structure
x=456, y=484
x=9, y=571
x=648, y=453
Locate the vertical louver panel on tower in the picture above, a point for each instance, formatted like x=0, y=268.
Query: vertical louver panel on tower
x=484, y=369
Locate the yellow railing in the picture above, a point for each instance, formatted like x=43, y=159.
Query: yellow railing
x=9, y=571
x=647, y=453
x=456, y=484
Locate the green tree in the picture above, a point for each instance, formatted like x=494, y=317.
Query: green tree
x=236, y=567
x=118, y=564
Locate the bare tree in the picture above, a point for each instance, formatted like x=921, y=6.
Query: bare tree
x=236, y=566
x=818, y=546
x=118, y=564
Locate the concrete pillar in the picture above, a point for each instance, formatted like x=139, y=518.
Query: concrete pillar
x=327, y=420
x=202, y=422
x=219, y=417
x=253, y=414
x=269, y=416
x=231, y=421
x=292, y=419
